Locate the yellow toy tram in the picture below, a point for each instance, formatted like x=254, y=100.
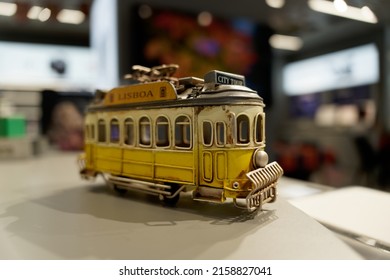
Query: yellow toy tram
x=164, y=135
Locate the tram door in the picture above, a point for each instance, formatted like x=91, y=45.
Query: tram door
x=212, y=159
x=90, y=146
x=220, y=158
x=89, y=151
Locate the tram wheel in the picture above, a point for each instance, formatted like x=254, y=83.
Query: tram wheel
x=173, y=200
x=119, y=190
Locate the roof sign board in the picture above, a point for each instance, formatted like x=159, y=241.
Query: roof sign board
x=157, y=91
x=220, y=77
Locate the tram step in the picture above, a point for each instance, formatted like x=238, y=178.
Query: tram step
x=208, y=194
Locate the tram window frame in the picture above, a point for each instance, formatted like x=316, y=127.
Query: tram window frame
x=183, y=132
x=162, y=137
x=243, y=135
x=207, y=133
x=129, y=131
x=220, y=142
x=102, y=133
x=145, y=132
x=114, y=131
x=259, y=128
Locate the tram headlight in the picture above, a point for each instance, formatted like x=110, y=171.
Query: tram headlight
x=260, y=158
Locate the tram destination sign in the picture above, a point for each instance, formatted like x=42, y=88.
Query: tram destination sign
x=226, y=78
x=140, y=93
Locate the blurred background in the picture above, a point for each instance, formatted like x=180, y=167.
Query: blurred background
x=322, y=67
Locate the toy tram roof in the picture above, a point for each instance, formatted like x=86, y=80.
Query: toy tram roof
x=210, y=95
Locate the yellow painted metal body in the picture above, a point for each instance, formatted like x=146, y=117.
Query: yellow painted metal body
x=167, y=164
x=216, y=166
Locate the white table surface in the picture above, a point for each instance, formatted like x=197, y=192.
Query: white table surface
x=48, y=212
x=357, y=212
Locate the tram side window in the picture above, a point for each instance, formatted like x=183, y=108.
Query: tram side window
x=183, y=132
x=114, y=131
x=92, y=133
x=207, y=133
x=101, y=131
x=162, y=132
x=259, y=134
x=129, y=131
x=220, y=127
x=87, y=132
x=144, y=131
x=242, y=129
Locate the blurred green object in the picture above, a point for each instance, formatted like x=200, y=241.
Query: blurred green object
x=12, y=127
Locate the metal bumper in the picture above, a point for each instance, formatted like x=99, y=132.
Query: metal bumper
x=264, y=181
x=84, y=172
x=81, y=163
